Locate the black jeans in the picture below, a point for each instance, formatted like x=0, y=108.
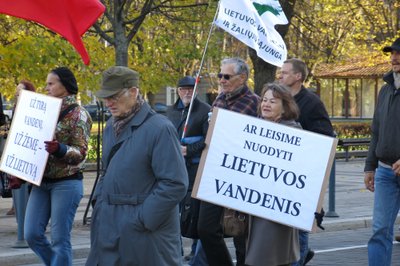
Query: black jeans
x=240, y=248
x=212, y=236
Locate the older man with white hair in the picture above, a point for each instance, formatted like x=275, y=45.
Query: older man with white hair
x=136, y=218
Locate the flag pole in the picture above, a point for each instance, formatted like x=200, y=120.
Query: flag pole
x=198, y=74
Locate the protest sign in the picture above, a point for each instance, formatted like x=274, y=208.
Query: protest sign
x=265, y=169
x=34, y=122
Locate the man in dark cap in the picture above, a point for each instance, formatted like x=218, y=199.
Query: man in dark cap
x=136, y=218
x=58, y=196
x=382, y=166
x=193, y=143
x=191, y=148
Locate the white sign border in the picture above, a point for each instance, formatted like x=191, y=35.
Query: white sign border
x=16, y=123
x=203, y=160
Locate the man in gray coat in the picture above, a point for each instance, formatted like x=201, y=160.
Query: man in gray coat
x=135, y=219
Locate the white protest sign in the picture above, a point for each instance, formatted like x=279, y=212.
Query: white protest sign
x=34, y=122
x=253, y=23
x=265, y=169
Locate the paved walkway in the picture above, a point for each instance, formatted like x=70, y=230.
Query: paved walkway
x=353, y=204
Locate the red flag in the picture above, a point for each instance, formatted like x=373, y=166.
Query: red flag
x=69, y=18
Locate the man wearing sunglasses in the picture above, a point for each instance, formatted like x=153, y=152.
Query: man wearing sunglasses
x=136, y=218
x=235, y=96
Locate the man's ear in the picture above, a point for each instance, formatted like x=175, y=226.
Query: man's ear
x=134, y=91
x=298, y=76
x=243, y=77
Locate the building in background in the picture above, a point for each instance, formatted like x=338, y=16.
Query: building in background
x=350, y=90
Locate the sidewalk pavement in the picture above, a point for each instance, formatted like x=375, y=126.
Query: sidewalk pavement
x=353, y=204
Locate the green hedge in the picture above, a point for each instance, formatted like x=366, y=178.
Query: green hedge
x=92, y=149
x=348, y=129
x=343, y=129
x=352, y=130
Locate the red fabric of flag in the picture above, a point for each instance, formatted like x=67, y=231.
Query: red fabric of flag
x=69, y=18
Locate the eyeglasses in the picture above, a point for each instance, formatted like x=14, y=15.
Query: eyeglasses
x=114, y=98
x=226, y=76
x=186, y=88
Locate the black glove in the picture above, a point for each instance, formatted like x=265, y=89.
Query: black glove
x=319, y=217
x=93, y=203
x=52, y=146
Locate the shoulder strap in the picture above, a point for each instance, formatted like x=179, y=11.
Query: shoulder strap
x=66, y=111
x=116, y=147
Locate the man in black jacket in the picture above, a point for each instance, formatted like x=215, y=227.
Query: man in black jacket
x=191, y=146
x=382, y=166
x=313, y=117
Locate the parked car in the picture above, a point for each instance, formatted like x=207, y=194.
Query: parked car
x=8, y=110
x=93, y=111
x=160, y=108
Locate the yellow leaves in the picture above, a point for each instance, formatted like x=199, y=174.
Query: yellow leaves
x=36, y=51
x=330, y=30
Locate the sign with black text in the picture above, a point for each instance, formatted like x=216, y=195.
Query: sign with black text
x=34, y=122
x=265, y=169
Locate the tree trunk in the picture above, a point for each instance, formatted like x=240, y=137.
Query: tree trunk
x=265, y=72
x=121, y=42
x=121, y=52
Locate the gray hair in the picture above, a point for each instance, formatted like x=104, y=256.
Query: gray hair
x=240, y=65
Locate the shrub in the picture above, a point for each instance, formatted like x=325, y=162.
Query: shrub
x=92, y=149
x=343, y=129
x=352, y=130
x=347, y=130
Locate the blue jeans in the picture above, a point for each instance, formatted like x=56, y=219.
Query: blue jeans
x=386, y=207
x=58, y=201
x=303, y=241
x=199, y=258
x=194, y=245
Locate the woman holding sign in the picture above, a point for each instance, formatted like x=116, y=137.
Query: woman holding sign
x=270, y=243
x=58, y=196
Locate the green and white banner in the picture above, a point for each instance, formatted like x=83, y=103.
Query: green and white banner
x=253, y=23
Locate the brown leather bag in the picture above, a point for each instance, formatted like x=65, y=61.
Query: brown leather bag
x=234, y=222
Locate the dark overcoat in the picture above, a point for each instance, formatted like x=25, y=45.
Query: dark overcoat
x=197, y=127
x=135, y=220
